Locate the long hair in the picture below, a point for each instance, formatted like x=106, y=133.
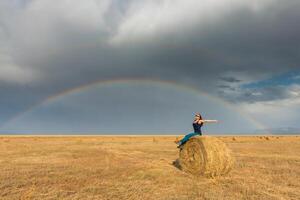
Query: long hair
x=198, y=114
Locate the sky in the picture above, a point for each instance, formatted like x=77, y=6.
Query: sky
x=147, y=66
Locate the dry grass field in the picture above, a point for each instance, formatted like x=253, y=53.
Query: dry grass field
x=132, y=167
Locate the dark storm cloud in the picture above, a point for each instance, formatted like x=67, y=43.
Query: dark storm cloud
x=226, y=87
x=263, y=94
x=230, y=79
x=51, y=47
x=285, y=86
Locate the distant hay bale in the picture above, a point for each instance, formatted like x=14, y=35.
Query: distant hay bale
x=267, y=138
x=154, y=140
x=233, y=139
x=206, y=156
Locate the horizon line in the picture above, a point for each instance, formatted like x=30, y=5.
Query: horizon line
x=135, y=135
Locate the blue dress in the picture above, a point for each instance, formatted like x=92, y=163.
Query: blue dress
x=197, y=131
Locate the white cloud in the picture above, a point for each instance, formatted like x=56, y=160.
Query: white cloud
x=85, y=14
x=33, y=32
x=276, y=113
x=42, y=23
x=148, y=18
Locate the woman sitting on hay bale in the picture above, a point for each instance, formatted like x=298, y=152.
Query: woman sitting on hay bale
x=197, y=124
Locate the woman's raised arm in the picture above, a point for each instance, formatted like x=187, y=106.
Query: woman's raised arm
x=208, y=121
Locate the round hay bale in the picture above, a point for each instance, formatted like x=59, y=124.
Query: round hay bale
x=267, y=138
x=205, y=155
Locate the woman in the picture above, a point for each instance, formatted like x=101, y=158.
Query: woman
x=197, y=124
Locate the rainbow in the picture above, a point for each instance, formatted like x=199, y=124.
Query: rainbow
x=137, y=81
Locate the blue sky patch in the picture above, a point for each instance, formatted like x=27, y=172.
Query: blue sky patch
x=285, y=79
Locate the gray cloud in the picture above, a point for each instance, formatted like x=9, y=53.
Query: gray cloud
x=263, y=94
x=244, y=40
x=230, y=79
x=48, y=47
x=128, y=108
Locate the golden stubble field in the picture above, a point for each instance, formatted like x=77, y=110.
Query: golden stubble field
x=133, y=167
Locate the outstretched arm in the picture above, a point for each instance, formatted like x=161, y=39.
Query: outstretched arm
x=207, y=121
